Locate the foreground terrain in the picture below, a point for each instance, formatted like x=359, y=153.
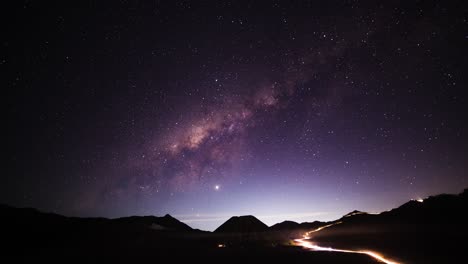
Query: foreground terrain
x=429, y=231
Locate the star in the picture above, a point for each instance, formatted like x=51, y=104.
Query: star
x=324, y=104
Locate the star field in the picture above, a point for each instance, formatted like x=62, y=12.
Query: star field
x=286, y=110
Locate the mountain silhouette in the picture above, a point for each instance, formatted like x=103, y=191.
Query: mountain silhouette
x=291, y=225
x=432, y=230
x=355, y=212
x=242, y=224
x=24, y=215
x=166, y=222
x=285, y=225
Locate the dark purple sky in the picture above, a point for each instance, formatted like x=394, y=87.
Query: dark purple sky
x=207, y=110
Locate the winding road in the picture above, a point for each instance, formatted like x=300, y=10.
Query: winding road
x=306, y=243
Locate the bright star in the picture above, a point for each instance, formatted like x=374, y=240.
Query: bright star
x=216, y=187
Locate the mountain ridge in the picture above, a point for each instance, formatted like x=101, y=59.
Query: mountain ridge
x=242, y=224
x=249, y=223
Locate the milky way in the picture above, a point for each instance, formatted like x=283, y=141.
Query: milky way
x=300, y=111
x=209, y=143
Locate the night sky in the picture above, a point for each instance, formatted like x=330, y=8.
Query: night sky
x=298, y=110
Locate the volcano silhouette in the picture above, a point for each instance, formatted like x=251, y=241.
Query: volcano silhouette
x=242, y=224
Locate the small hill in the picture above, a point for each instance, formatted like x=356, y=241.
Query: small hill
x=313, y=225
x=242, y=224
x=355, y=212
x=285, y=225
x=166, y=222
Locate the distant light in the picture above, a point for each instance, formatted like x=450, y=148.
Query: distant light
x=420, y=200
x=216, y=187
x=221, y=245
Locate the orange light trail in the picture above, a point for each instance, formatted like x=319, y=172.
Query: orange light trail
x=307, y=244
x=302, y=242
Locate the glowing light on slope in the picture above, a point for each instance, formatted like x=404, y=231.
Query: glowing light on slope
x=320, y=228
x=307, y=244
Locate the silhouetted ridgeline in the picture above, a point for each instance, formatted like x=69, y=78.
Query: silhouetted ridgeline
x=431, y=231
x=242, y=224
x=159, y=223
